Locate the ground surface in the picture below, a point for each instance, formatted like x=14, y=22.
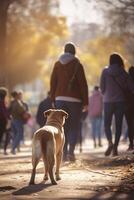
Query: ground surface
x=92, y=176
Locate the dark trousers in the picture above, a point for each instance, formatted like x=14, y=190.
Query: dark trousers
x=117, y=110
x=17, y=133
x=3, y=124
x=72, y=124
x=4, y=133
x=129, y=114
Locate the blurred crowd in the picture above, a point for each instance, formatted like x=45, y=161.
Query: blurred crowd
x=107, y=112
x=18, y=122
x=14, y=114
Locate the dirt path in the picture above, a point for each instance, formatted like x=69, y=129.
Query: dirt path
x=92, y=176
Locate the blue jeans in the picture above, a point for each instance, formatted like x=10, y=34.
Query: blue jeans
x=117, y=109
x=72, y=124
x=96, y=127
x=17, y=131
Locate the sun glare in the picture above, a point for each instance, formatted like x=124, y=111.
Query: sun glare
x=80, y=11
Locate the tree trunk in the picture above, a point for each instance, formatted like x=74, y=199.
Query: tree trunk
x=4, y=4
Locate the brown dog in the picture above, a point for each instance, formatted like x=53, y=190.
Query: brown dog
x=48, y=143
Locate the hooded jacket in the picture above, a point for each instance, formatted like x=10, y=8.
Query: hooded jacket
x=114, y=81
x=63, y=72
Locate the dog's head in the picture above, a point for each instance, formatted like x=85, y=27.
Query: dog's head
x=56, y=115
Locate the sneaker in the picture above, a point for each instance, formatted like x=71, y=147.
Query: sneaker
x=65, y=159
x=95, y=145
x=130, y=148
x=71, y=158
x=100, y=145
x=18, y=149
x=115, y=152
x=109, y=150
x=13, y=152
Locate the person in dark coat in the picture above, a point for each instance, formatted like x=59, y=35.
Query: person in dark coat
x=4, y=116
x=43, y=106
x=130, y=113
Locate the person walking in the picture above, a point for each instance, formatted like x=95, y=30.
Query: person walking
x=69, y=91
x=26, y=116
x=95, y=114
x=20, y=96
x=114, y=79
x=4, y=118
x=43, y=106
x=129, y=113
x=17, y=109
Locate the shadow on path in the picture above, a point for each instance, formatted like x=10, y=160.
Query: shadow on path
x=6, y=188
x=30, y=189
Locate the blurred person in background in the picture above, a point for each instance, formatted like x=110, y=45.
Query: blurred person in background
x=17, y=109
x=129, y=113
x=80, y=135
x=20, y=96
x=69, y=91
x=4, y=118
x=43, y=106
x=114, y=80
x=27, y=114
x=95, y=115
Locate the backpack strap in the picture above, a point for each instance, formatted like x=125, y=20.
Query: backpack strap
x=70, y=84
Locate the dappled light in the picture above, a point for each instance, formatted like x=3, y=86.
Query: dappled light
x=33, y=37
x=91, y=176
x=30, y=34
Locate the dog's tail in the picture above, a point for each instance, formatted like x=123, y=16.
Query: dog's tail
x=48, y=148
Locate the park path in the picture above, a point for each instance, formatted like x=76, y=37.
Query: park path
x=92, y=176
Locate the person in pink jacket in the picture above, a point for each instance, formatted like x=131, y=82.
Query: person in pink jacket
x=95, y=114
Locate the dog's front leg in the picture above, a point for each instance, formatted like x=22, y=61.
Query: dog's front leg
x=58, y=162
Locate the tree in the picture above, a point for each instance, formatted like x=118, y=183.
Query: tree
x=120, y=14
x=4, y=5
x=32, y=27
x=96, y=55
x=119, y=17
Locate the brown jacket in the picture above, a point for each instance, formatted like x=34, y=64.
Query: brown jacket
x=62, y=74
x=17, y=109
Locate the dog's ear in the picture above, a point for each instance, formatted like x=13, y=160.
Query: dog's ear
x=47, y=112
x=65, y=113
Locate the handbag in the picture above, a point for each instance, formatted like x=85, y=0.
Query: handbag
x=26, y=116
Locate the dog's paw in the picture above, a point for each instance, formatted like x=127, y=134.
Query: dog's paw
x=54, y=182
x=45, y=178
x=58, y=178
x=31, y=183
